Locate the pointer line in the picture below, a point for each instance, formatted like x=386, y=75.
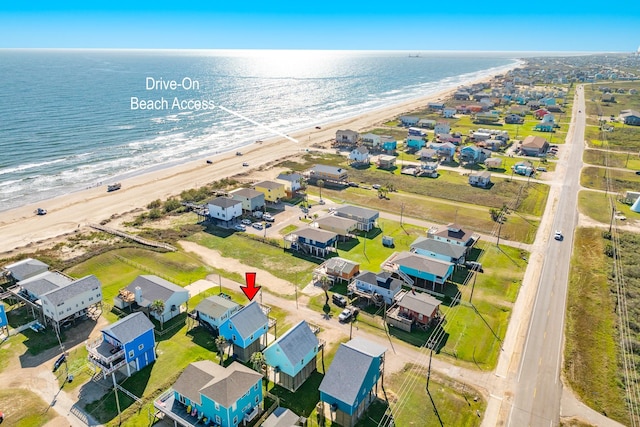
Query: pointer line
x=256, y=123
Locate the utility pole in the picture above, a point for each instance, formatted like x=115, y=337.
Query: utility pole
x=473, y=285
x=115, y=390
x=613, y=212
x=401, y=212
x=429, y=371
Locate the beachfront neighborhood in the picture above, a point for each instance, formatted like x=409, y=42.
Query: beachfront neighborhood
x=385, y=276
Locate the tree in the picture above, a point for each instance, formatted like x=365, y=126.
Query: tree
x=320, y=184
x=221, y=345
x=325, y=283
x=157, y=306
x=257, y=362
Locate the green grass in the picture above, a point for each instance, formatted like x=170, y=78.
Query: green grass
x=596, y=178
x=448, y=402
x=591, y=348
x=23, y=408
x=254, y=253
x=612, y=159
x=288, y=229
x=430, y=209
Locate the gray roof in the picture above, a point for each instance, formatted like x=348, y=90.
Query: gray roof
x=349, y=369
x=282, y=417
x=44, y=282
x=421, y=303
x=315, y=234
x=454, y=232
x=382, y=279
x=26, y=268
x=357, y=211
x=215, y=306
x=291, y=177
x=127, y=329
x=297, y=342
x=249, y=319
x=423, y=263
x=336, y=222
x=224, y=202
x=85, y=284
x=439, y=247
x=222, y=385
x=328, y=169
x=154, y=288
x=268, y=184
x=340, y=264
x=248, y=193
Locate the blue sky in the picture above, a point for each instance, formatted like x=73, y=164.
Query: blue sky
x=407, y=25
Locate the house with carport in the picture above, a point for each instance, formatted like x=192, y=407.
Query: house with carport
x=386, y=161
x=293, y=357
x=247, y=330
x=292, y=183
x=424, y=270
x=347, y=136
x=442, y=250
x=343, y=227
x=359, y=156
x=224, y=209
x=366, y=218
x=312, y=241
x=328, y=174
x=379, y=287
x=371, y=141
x=480, y=179
x=206, y=393
x=215, y=310
x=130, y=343
x=535, y=146
x=273, y=191
x=413, y=309
x=146, y=289
x=351, y=382
x=336, y=269
x=453, y=233
x=251, y=199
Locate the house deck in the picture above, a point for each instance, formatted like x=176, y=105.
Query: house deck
x=169, y=406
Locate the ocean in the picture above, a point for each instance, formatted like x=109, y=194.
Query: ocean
x=73, y=119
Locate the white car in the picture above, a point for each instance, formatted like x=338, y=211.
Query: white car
x=240, y=227
x=558, y=235
x=257, y=225
x=345, y=315
x=246, y=221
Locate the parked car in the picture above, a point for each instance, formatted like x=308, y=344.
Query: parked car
x=59, y=361
x=267, y=224
x=474, y=265
x=353, y=184
x=246, y=221
x=41, y=211
x=245, y=164
x=376, y=186
x=637, y=172
x=345, y=316
x=339, y=300
x=257, y=225
x=541, y=169
x=268, y=217
x=240, y=227
x=558, y=235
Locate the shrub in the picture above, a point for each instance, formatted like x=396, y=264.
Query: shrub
x=155, y=204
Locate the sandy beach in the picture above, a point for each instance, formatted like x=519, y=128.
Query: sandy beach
x=21, y=227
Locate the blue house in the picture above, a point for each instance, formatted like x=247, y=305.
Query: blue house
x=389, y=145
x=424, y=269
x=3, y=316
x=442, y=250
x=313, y=241
x=245, y=329
x=293, y=356
x=351, y=383
x=473, y=154
x=415, y=142
x=208, y=394
x=215, y=310
x=129, y=342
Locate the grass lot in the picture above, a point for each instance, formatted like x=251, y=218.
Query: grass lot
x=430, y=209
x=591, y=349
x=273, y=259
x=595, y=178
x=624, y=101
x=614, y=160
x=23, y=408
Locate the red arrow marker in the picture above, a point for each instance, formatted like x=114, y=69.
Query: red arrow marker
x=251, y=289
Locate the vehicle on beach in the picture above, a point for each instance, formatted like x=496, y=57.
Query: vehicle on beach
x=41, y=211
x=558, y=235
x=245, y=164
x=209, y=162
x=114, y=187
x=238, y=153
x=318, y=127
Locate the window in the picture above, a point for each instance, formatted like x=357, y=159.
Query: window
x=257, y=400
x=69, y=309
x=255, y=387
x=181, y=399
x=251, y=337
x=140, y=347
x=130, y=354
x=217, y=405
x=235, y=420
x=90, y=298
x=233, y=337
x=233, y=408
x=218, y=420
x=60, y=312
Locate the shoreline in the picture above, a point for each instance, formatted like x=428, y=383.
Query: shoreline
x=20, y=227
